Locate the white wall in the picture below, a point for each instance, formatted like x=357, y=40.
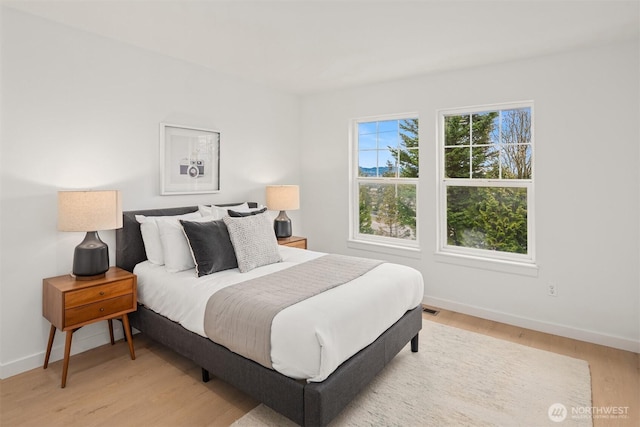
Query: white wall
x=81, y=111
x=586, y=188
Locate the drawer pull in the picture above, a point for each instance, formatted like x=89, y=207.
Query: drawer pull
x=101, y=308
x=101, y=292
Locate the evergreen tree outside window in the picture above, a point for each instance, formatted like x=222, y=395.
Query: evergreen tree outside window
x=385, y=180
x=486, y=182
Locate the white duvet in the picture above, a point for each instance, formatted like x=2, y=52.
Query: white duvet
x=310, y=339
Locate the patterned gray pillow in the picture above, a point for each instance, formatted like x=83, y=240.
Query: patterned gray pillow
x=254, y=241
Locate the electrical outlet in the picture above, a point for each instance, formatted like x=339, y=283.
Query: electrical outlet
x=552, y=290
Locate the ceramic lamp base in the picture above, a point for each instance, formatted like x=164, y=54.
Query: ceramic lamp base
x=91, y=257
x=282, y=225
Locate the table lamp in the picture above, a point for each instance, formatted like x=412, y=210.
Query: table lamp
x=90, y=211
x=283, y=198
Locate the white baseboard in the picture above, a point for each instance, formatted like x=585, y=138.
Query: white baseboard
x=79, y=345
x=536, y=325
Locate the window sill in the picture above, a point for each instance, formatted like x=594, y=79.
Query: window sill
x=385, y=248
x=512, y=267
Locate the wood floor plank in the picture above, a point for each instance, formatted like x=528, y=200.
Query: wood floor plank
x=106, y=388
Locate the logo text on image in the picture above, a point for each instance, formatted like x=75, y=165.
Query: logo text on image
x=557, y=412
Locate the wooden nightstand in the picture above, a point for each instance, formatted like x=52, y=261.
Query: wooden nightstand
x=70, y=304
x=294, y=242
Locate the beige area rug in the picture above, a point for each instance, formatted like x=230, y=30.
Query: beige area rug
x=459, y=378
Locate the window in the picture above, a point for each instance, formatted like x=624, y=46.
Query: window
x=486, y=182
x=385, y=180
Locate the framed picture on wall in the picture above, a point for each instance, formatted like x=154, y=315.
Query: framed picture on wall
x=189, y=160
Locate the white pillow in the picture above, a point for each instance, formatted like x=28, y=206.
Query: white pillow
x=254, y=241
x=175, y=246
x=151, y=234
x=220, y=211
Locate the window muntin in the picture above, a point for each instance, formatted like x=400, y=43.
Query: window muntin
x=385, y=184
x=486, y=206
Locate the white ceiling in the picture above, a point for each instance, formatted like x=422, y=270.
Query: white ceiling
x=308, y=46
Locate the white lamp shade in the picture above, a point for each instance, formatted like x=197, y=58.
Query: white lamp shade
x=283, y=197
x=89, y=210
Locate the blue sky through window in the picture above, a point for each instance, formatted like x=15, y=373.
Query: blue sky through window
x=374, y=142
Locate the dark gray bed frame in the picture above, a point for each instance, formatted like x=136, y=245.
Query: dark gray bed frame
x=307, y=404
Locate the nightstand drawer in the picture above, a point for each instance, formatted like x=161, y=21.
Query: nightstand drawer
x=98, y=293
x=91, y=312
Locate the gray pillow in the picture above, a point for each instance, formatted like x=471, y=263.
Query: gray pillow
x=210, y=245
x=254, y=241
x=250, y=212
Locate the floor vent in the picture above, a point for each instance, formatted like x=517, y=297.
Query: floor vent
x=430, y=311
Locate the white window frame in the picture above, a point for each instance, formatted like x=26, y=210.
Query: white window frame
x=502, y=261
x=359, y=240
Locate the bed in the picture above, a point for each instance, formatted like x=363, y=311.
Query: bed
x=310, y=402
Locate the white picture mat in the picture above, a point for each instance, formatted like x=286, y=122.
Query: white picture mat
x=189, y=160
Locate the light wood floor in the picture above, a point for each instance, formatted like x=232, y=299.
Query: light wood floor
x=106, y=388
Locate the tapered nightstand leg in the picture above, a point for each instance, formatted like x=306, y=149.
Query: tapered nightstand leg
x=111, y=331
x=67, y=351
x=127, y=332
x=52, y=334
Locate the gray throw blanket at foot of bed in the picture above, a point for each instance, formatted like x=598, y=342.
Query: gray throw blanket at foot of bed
x=239, y=317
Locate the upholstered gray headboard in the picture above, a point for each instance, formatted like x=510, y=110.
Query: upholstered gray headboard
x=129, y=245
